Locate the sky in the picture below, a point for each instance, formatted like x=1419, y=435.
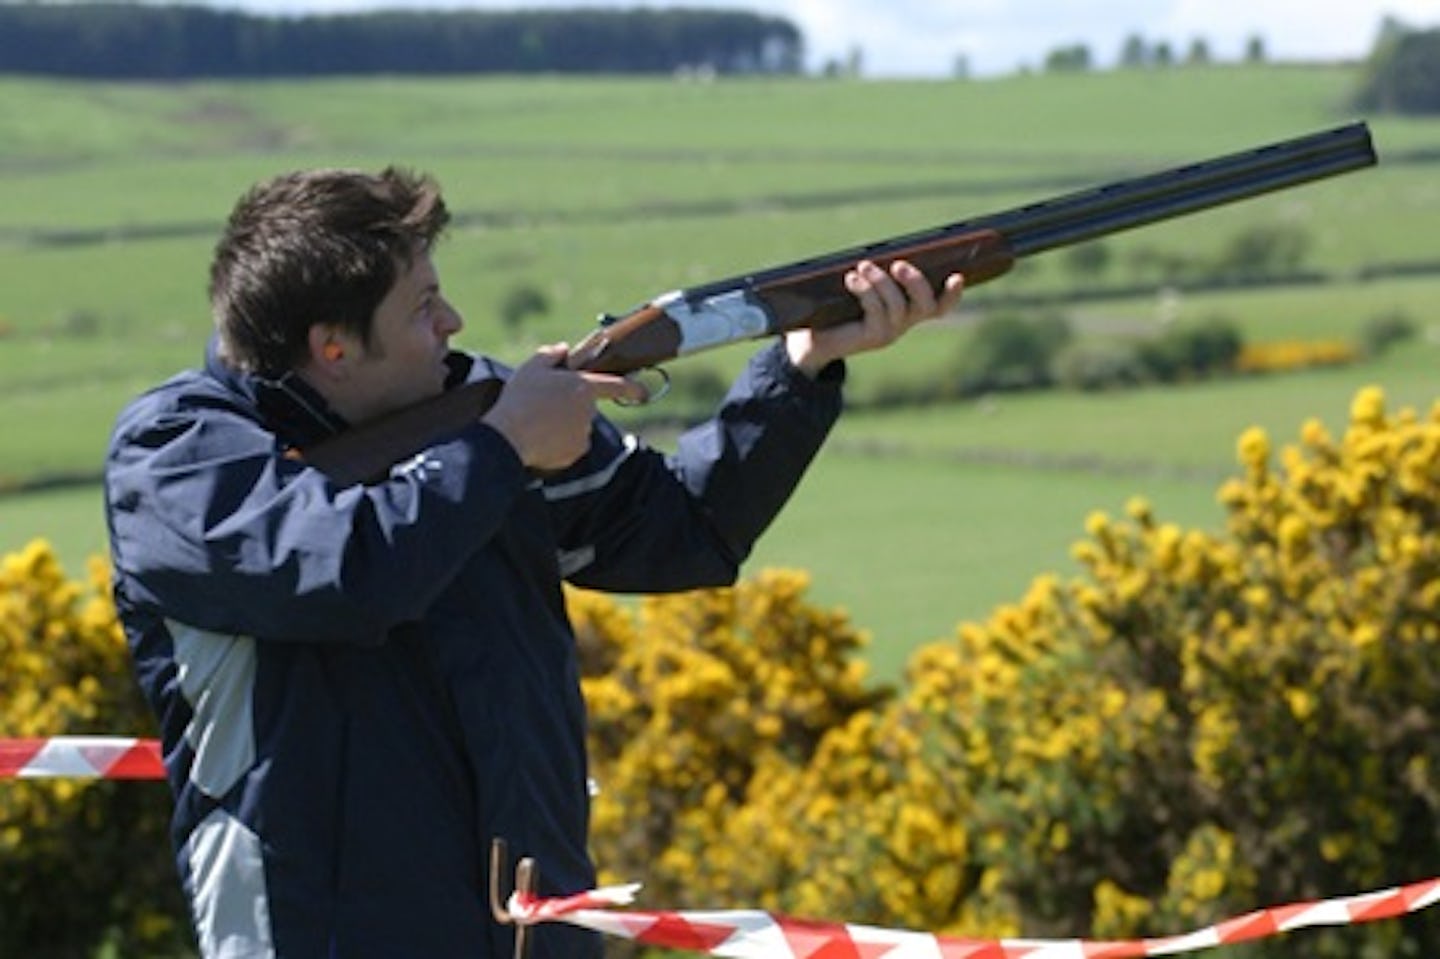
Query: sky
x=919, y=38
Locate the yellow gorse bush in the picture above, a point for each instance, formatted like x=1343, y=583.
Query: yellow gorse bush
x=83, y=861
x=697, y=703
x=1206, y=722
x=1281, y=356
x=1196, y=724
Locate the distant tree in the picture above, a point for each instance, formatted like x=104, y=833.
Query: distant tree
x=1199, y=53
x=1135, y=52
x=855, y=62
x=532, y=48
x=1162, y=55
x=782, y=54
x=960, y=67
x=1391, y=30
x=1402, y=74
x=1255, y=49
x=1069, y=59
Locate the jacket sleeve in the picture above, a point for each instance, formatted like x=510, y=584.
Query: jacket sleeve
x=212, y=524
x=631, y=519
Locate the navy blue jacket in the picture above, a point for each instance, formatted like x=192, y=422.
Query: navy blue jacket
x=358, y=688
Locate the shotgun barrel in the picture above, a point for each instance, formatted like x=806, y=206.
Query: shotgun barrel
x=1100, y=211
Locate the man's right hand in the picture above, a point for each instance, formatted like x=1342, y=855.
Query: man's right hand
x=545, y=408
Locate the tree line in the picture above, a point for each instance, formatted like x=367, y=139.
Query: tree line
x=135, y=41
x=1400, y=75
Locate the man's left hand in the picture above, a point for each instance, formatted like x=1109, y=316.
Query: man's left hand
x=892, y=302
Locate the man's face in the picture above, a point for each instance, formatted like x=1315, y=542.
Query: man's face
x=403, y=362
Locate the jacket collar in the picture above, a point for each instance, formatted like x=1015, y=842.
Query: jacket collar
x=288, y=405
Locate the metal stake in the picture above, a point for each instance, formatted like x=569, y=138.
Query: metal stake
x=527, y=881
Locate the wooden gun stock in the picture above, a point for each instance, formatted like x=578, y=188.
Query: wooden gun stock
x=811, y=292
x=365, y=454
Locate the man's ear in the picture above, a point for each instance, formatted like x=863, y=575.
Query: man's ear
x=329, y=348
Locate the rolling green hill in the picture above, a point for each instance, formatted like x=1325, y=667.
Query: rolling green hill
x=601, y=192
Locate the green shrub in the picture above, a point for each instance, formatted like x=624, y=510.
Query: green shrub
x=1381, y=332
x=1193, y=350
x=1008, y=351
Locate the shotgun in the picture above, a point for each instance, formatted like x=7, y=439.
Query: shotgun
x=811, y=292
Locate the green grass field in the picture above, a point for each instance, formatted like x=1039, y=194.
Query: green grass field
x=602, y=192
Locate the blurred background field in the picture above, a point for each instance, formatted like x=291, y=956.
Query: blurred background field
x=598, y=193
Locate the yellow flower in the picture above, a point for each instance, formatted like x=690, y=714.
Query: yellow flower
x=1294, y=533
x=1314, y=434
x=1365, y=634
x=1301, y=702
x=1112, y=702
x=1335, y=848
x=1258, y=597
x=1253, y=448
x=1117, y=913
x=1139, y=509
x=1368, y=407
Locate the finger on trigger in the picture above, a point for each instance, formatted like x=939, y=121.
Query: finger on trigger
x=604, y=386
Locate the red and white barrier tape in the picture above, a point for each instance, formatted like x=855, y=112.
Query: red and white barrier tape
x=81, y=757
x=753, y=934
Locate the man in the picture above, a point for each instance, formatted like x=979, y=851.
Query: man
x=360, y=686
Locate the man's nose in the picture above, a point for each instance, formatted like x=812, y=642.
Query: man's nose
x=450, y=319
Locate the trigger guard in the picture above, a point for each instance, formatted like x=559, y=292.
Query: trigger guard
x=652, y=393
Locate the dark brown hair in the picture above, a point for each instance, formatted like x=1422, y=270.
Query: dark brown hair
x=319, y=246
